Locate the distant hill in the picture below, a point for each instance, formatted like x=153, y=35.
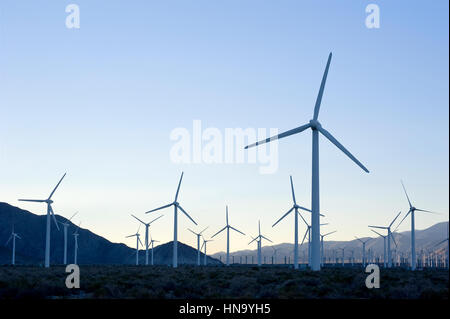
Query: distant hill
x=93, y=249
x=425, y=239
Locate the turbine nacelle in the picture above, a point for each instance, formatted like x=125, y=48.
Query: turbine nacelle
x=315, y=124
x=176, y=203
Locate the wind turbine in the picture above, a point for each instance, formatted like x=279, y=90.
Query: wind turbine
x=343, y=255
x=49, y=203
x=176, y=206
x=138, y=241
x=364, y=250
x=151, y=243
x=227, y=227
x=198, y=243
x=295, y=207
x=316, y=127
x=13, y=236
x=321, y=244
x=259, y=239
x=147, y=225
x=75, y=237
x=390, y=235
x=204, y=252
x=308, y=232
x=412, y=211
x=384, y=246
x=66, y=226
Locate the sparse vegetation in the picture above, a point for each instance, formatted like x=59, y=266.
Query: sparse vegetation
x=122, y=282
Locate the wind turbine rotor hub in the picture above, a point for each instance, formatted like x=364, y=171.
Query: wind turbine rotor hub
x=176, y=203
x=49, y=201
x=315, y=125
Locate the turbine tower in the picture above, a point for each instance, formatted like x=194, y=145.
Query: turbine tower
x=364, y=250
x=75, y=237
x=412, y=211
x=198, y=243
x=296, y=208
x=138, y=241
x=49, y=203
x=147, y=225
x=389, y=236
x=176, y=206
x=321, y=245
x=384, y=246
x=259, y=239
x=316, y=127
x=13, y=236
x=66, y=226
x=151, y=243
x=227, y=227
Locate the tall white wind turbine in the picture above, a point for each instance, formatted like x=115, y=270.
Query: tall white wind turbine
x=259, y=239
x=204, y=251
x=198, y=243
x=138, y=241
x=321, y=245
x=389, y=236
x=13, y=236
x=384, y=246
x=147, y=225
x=65, y=227
x=412, y=211
x=316, y=127
x=176, y=206
x=227, y=227
x=364, y=250
x=294, y=208
x=75, y=247
x=49, y=203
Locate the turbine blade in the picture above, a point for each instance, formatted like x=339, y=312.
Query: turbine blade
x=162, y=207
x=51, y=194
x=377, y=233
x=306, y=233
x=266, y=238
x=181, y=208
x=403, y=219
x=138, y=219
x=394, y=219
x=33, y=200
x=236, y=230
x=72, y=216
x=203, y=230
x=130, y=236
x=293, y=193
x=426, y=211
x=53, y=215
x=156, y=219
x=322, y=87
x=303, y=219
x=252, y=240
x=204, y=243
x=290, y=210
x=359, y=239
x=219, y=232
x=381, y=227
x=192, y=231
x=179, y=184
x=227, y=214
x=9, y=239
x=329, y=233
x=18, y=236
x=259, y=227
x=140, y=241
x=342, y=148
x=279, y=136
x=407, y=197
x=393, y=238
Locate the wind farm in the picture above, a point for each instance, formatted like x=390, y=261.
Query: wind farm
x=174, y=130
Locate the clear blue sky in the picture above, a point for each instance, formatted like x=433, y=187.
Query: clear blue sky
x=100, y=103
